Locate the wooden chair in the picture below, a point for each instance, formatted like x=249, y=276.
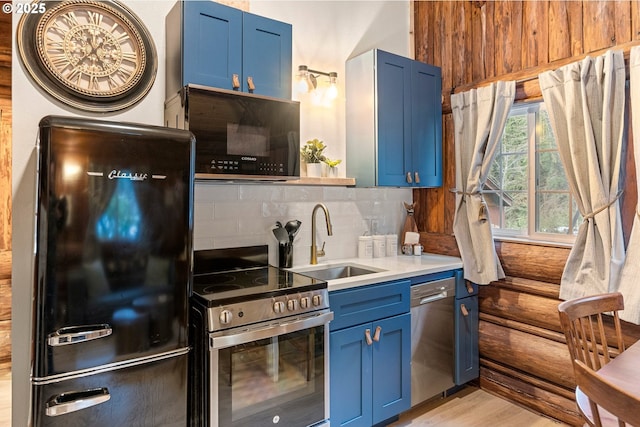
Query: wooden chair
x=609, y=404
x=588, y=339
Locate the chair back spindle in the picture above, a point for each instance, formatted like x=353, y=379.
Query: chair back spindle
x=588, y=339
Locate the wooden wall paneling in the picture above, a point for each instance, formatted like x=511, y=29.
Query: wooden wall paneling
x=523, y=354
x=423, y=32
x=523, y=307
x=508, y=35
x=5, y=324
x=530, y=261
x=559, y=31
x=444, y=33
x=439, y=243
x=622, y=21
x=522, y=376
x=527, y=352
x=5, y=190
x=521, y=391
x=5, y=176
x=488, y=12
x=449, y=179
x=478, y=41
x=462, y=66
x=635, y=20
x=535, y=33
x=599, y=24
x=534, y=287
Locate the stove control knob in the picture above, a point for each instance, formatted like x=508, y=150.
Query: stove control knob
x=292, y=304
x=317, y=300
x=225, y=317
x=305, y=302
x=278, y=307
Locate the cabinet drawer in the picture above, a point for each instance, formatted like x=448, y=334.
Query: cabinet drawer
x=368, y=303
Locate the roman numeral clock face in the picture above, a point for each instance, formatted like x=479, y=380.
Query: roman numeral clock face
x=92, y=55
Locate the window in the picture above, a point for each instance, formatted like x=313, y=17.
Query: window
x=527, y=191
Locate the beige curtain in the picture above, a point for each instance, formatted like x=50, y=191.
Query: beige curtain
x=585, y=101
x=479, y=116
x=628, y=284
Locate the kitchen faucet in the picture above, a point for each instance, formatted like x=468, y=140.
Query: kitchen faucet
x=315, y=252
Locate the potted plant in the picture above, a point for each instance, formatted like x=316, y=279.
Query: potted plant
x=312, y=155
x=332, y=170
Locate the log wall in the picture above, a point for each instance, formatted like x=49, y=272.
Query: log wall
x=523, y=353
x=5, y=191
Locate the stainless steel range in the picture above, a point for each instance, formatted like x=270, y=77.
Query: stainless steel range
x=260, y=337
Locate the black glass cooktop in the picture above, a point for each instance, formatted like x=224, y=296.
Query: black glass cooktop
x=242, y=285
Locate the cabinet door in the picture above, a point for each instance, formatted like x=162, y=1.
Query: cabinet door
x=266, y=56
x=350, y=377
x=426, y=125
x=212, y=44
x=467, y=358
x=391, y=367
x=394, y=119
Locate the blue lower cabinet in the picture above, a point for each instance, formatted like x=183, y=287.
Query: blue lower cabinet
x=370, y=379
x=392, y=368
x=467, y=357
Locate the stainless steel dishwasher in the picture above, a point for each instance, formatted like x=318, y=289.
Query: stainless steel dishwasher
x=432, y=338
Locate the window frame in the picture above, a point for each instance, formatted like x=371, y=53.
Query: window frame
x=529, y=234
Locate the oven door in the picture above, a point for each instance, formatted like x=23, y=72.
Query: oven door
x=271, y=375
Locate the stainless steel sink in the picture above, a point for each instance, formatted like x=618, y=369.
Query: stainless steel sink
x=338, y=271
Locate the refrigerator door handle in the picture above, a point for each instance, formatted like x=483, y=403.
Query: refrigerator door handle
x=65, y=403
x=77, y=334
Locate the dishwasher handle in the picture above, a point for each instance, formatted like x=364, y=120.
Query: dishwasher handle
x=432, y=298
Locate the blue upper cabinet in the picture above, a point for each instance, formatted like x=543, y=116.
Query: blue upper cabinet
x=394, y=121
x=266, y=56
x=211, y=44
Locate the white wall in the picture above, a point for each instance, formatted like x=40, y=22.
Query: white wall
x=325, y=34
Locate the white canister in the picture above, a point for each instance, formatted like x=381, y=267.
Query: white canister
x=365, y=247
x=379, y=246
x=392, y=244
x=417, y=249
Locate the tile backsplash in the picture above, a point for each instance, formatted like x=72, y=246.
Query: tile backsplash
x=231, y=215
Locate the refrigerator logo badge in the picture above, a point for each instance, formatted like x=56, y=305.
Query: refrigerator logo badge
x=114, y=174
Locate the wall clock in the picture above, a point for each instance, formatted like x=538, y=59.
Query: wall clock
x=93, y=55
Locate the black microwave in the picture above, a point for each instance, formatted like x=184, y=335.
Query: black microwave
x=238, y=135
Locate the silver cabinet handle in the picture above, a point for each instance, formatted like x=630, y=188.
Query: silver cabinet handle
x=409, y=180
x=235, y=82
x=250, y=84
x=417, y=177
x=78, y=334
x=433, y=298
x=65, y=403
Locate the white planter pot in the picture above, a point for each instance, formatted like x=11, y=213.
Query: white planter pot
x=332, y=172
x=314, y=170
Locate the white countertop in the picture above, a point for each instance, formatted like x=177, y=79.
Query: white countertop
x=388, y=268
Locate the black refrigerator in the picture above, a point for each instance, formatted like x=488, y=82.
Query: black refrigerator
x=113, y=248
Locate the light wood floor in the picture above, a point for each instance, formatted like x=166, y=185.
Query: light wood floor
x=470, y=407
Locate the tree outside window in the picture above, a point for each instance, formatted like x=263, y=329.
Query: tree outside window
x=527, y=191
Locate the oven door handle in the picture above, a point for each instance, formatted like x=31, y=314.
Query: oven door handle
x=231, y=338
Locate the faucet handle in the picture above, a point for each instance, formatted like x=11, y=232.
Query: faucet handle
x=321, y=251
